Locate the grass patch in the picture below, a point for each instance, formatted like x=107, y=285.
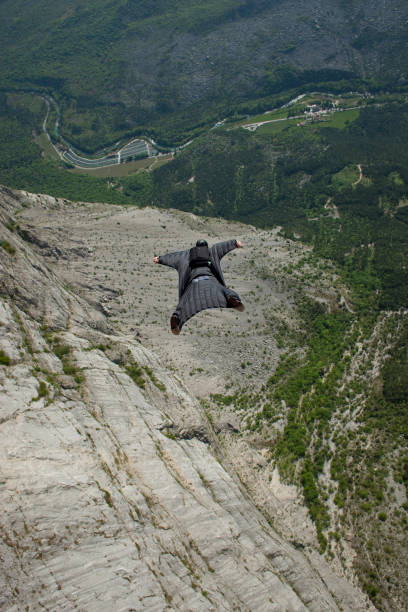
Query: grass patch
x=4, y=359
x=47, y=148
x=278, y=126
x=42, y=391
x=341, y=119
x=268, y=116
x=154, y=380
x=11, y=226
x=222, y=400
x=8, y=247
x=61, y=350
x=136, y=374
x=103, y=347
x=346, y=177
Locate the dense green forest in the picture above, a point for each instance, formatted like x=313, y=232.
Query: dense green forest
x=345, y=192
x=24, y=166
x=296, y=177
x=167, y=69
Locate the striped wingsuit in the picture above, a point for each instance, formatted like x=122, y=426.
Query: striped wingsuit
x=202, y=287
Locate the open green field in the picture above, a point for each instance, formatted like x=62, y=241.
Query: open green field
x=268, y=116
x=47, y=148
x=337, y=120
x=279, y=126
x=346, y=177
x=340, y=119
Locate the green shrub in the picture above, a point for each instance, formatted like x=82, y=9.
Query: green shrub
x=8, y=247
x=371, y=589
x=42, y=391
x=154, y=380
x=294, y=440
x=224, y=400
x=136, y=374
x=103, y=347
x=61, y=350
x=4, y=359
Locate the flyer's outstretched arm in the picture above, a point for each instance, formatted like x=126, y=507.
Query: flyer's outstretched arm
x=171, y=259
x=222, y=248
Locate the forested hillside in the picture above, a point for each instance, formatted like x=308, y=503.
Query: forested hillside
x=339, y=390
x=171, y=67
x=27, y=160
x=308, y=180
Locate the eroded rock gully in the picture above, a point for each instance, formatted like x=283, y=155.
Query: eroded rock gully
x=116, y=494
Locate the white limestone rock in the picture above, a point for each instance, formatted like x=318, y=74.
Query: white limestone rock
x=114, y=492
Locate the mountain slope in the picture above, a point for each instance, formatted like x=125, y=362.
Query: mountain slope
x=334, y=410
x=167, y=67
x=113, y=479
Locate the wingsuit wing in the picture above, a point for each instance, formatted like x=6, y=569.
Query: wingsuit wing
x=178, y=261
x=173, y=260
x=218, y=251
x=222, y=248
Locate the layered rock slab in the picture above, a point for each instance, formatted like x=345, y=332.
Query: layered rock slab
x=107, y=509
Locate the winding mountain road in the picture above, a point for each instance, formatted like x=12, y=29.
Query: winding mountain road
x=136, y=148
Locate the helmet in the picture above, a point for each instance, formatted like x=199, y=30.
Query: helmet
x=201, y=243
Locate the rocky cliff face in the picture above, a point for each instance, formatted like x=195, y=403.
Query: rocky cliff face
x=116, y=491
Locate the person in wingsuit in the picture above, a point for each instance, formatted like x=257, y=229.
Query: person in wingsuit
x=201, y=281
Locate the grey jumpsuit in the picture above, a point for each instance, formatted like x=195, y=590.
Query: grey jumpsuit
x=202, y=287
